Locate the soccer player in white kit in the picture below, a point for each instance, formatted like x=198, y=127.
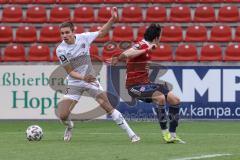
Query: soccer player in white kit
x=74, y=56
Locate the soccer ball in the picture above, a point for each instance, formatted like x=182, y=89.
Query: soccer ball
x=34, y=133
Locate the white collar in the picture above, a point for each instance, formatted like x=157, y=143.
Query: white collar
x=148, y=43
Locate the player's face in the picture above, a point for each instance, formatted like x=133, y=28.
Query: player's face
x=67, y=35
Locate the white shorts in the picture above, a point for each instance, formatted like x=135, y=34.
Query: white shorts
x=91, y=90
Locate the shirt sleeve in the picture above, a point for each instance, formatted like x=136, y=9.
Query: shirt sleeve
x=62, y=56
x=90, y=36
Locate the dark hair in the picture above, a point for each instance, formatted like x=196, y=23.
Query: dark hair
x=67, y=24
x=152, y=32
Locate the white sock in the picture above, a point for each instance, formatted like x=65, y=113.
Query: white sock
x=67, y=122
x=119, y=119
x=164, y=131
x=173, y=134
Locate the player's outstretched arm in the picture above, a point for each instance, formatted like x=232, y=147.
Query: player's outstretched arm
x=106, y=27
x=131, y=53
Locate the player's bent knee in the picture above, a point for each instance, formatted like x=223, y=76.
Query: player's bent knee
x=160, y=99
x=177, y=100
x=173, y=100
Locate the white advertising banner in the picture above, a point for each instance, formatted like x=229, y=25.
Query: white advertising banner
x=25, y=92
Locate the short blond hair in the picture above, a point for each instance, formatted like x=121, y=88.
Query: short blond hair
x=67, y=24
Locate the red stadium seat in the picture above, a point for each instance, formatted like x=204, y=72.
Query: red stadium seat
x=26, y=34
x=156, y=14
x=180, y=14
x=186, y=52
x=228, y=14
x=45, y=1
x=186, y=1
x=83, y=14
x=12, y=14
x=139, y=1
x=4, y=1
x=36, y=14
x=67, y=1
x=132, y=14
x=14, y=52
x=211, y=52
x=115, y=1
x=78, y=29
x=110, y=50
x=123, y=33
x=141, y=31
x=204, y=13
x=221, y=34
x=232, y=52
x=231, y=1
x=39, y=52
x=237, y=34
x=196, y=33
x=59, y=14
x=104, y=13
x=171, y=34
x=162, y=53
x=163, y=1
x=55, y=58
x=91, y=1
x=6, y=34
x=94, y=53
x=21, y=1
x=211, y=1
x=50, y=34
x=103, y=39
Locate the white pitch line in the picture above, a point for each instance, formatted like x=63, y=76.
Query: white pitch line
x=204, y=156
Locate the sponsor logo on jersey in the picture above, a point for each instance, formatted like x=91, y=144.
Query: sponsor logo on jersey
x=135, y=91
x=63, y=58
x=137, y=46
x=142, y=89
x=83, y=45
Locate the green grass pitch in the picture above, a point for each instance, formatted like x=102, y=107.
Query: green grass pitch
x=103, y=140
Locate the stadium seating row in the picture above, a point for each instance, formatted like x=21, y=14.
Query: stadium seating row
x=171, y=33
x=181, y=13
x=184, y=52
x=113, y=1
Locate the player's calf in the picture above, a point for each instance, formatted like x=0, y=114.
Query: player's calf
x=173, y=118
x=162, y=117
x=119, y=119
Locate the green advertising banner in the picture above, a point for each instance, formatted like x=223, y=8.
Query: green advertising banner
x=25, y=92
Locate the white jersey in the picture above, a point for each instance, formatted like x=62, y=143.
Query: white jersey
x=78, y=55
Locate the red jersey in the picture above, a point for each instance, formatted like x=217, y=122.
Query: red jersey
x=137, y=68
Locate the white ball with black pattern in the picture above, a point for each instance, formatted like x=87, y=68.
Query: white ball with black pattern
x=34, y=133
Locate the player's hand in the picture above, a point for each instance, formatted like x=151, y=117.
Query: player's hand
x=114, y=61
x=114, y=13
x=152, y=47
x=89, y=78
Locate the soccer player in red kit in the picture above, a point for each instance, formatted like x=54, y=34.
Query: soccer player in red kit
x=140, y=87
